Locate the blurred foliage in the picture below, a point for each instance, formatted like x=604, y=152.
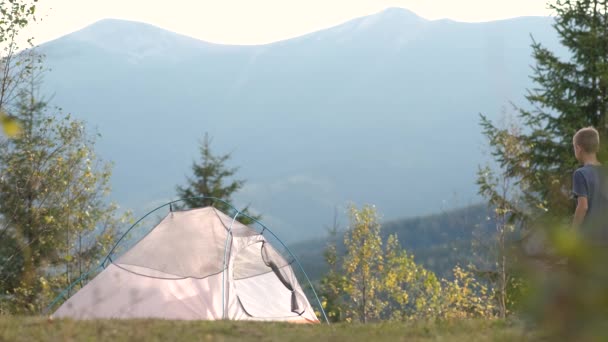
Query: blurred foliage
x=568, y=293
x=52, y=212
x=26, y=329
x=15, y=65
x=55, y=221
x=10, y=126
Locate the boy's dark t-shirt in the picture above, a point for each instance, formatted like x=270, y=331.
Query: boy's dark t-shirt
x=591, y=181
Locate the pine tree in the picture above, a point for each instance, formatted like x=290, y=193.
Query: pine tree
x=212, y=179
x=568, y=95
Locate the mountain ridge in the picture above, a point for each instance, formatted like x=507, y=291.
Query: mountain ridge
x=312, y=123
x=400, y=13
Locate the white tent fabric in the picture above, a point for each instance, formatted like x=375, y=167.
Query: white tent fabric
x=177, y=272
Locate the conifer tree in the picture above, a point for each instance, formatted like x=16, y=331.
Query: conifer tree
x=569, y=93
x=212, y=179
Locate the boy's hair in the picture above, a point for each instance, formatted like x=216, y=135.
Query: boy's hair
x=588, y=139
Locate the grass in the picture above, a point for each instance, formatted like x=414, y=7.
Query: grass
x=40, y=329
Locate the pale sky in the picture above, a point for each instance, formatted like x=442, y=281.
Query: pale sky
x=259, y=21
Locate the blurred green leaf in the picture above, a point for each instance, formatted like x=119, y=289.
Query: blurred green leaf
x=567, y=242
x=10, y=125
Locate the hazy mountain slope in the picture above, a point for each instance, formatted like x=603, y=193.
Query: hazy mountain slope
x=438, y=241
x=382, y=109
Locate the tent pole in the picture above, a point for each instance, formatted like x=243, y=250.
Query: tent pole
x=228, y=237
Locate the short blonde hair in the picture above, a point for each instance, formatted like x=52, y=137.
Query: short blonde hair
x=588, y=139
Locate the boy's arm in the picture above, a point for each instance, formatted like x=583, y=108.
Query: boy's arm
x=581, y=210
x=580, y=192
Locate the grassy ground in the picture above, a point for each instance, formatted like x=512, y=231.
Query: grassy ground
x=41, y=329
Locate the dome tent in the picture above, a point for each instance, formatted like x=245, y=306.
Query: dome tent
x=197, y=264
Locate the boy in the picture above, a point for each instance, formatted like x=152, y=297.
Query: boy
x=589, y=187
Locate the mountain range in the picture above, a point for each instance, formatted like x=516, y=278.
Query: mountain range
x=382, y=109
x=438, y=242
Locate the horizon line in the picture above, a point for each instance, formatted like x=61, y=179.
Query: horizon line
x=403, y=9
